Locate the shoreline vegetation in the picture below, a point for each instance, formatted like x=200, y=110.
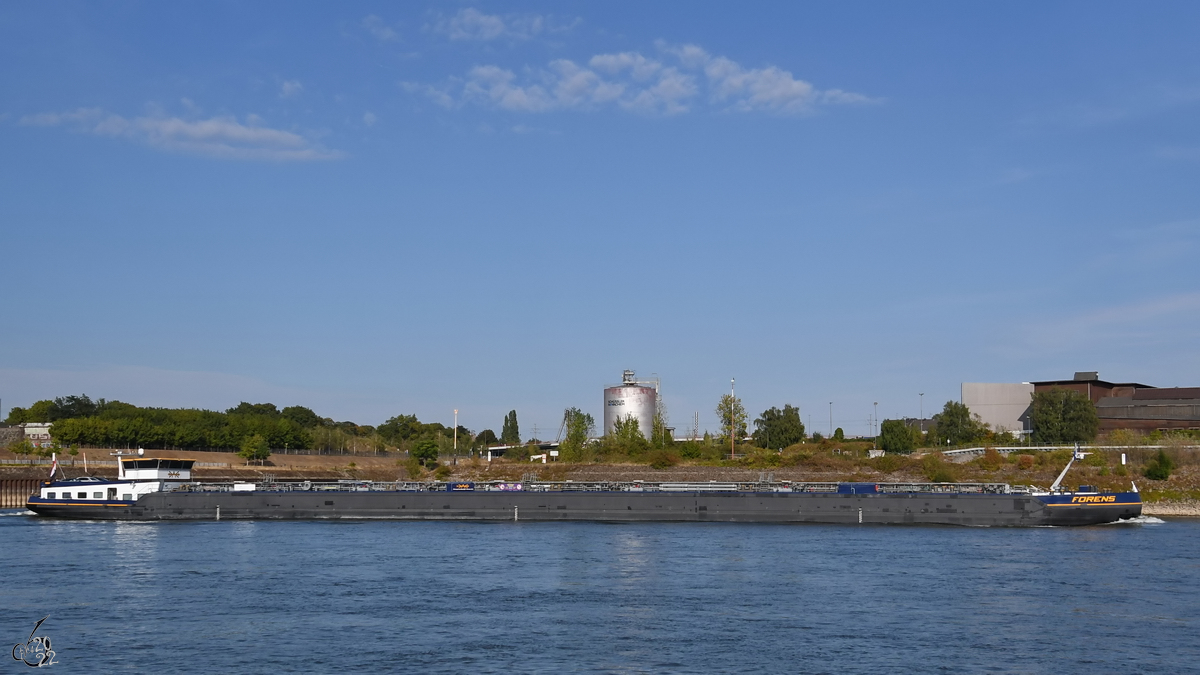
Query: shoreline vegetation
x=255, y=439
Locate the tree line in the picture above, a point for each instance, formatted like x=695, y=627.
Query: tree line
x=1057, y=416
x=82, y=421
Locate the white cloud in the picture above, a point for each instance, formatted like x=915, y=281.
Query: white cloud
x=290, y=88
x=471, y=24
x=378, y=29
x=566, y=85
x=632, y=81
x=770, y=89
x=220, y=137
x=369, y=119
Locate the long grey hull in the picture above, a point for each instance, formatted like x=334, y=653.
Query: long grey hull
x=981, y=510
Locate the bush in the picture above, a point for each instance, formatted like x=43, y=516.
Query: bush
x=663, y=459
x=1160, y=467
x=937, y=469
x=1025, y=462
x=888, y=463
x=443, y=472
x=991, y=460
x=413, y=468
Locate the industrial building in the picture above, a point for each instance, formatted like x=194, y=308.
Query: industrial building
x=1002, y=406
x=632, y=398
x=1119, y=405
x=1151, y=409
x=1089, y=384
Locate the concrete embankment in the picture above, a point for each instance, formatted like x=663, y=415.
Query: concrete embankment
x=1172, y=509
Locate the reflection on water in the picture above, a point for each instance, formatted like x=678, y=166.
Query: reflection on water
x=449, y=597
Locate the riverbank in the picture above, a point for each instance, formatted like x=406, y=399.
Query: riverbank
x=1172, y=509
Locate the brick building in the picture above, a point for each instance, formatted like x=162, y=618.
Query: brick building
x=1131, y=405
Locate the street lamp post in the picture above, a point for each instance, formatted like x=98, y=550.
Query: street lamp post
x=876, y=432
x=922, y=395
x=456, y=432
x=831, y=419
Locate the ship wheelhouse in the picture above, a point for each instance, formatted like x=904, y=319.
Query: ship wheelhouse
x=137, y=476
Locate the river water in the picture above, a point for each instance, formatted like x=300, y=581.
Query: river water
x=376, y=596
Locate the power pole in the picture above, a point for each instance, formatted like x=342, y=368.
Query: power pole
x=732, y=421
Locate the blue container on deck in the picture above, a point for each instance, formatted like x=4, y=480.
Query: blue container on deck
x=858, y=489
x=460, y=487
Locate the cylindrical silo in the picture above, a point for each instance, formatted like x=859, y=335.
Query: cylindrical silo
x=630, y=399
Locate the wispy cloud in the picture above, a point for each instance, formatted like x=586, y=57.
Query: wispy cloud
x=1178, y=152
x=290, y=88
x=221, y=137
x=471, y=24
x=770, y=89
x=369, y=118
x=635, y=82
x=1144, y=322
x=378, y=29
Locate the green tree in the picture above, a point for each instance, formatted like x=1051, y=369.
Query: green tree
x=1063, y=416
x=425, y=451
x=486, y=437
x=510, y=434
x=956, y=424
x=579, y=427
x=21, y=447
x=40, y=411
x=1160, y=467
x=302, y=416
x=401, y=428
x=777, y=428
x=733, y=417
x=839, y=435
x=70, y=407
x=625, y=439
x=660, y=435
x=243, y=408
x=255, y=447
x=897, y=437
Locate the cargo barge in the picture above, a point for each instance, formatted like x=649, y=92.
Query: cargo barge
x=162, y=489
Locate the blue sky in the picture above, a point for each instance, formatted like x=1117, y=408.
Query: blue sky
x=378, y=208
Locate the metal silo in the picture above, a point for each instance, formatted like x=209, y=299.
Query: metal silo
x=631, y=397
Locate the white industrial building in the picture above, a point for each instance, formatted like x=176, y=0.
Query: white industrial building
x=1002, y=406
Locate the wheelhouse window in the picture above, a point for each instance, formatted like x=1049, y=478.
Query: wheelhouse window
x=51, y=495
x=127, y=497
x=97, y=495
x=81, y=495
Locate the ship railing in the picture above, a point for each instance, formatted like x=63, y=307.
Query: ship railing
x=612, y=486
x=947, y=488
